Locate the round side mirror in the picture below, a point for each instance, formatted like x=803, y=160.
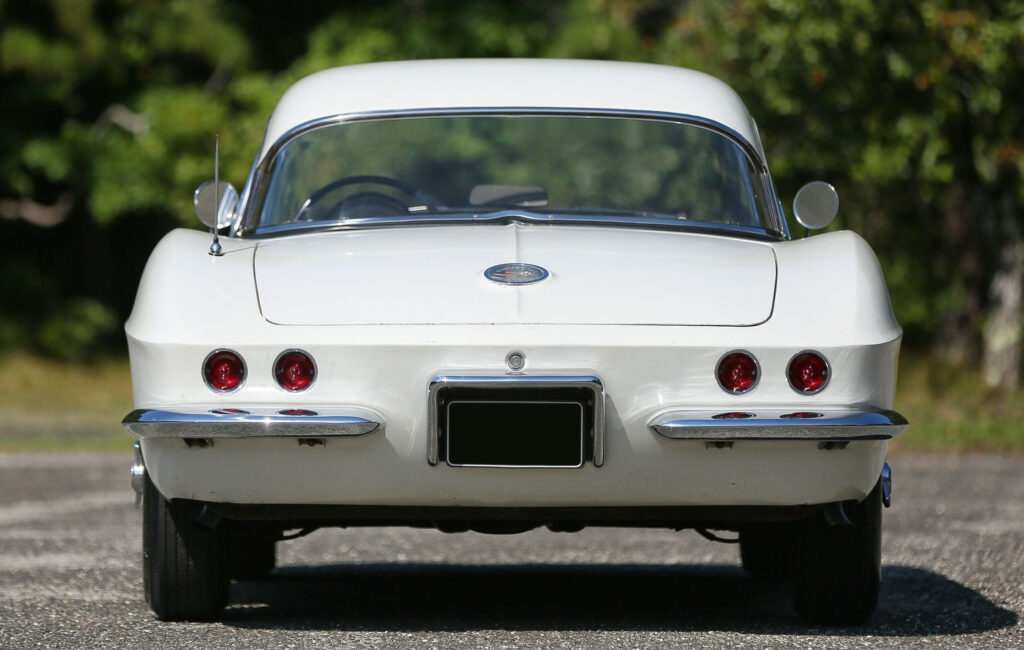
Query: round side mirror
x=216, y=203
x=816, y=205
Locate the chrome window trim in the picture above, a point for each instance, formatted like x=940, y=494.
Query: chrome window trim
x=262, y=166
x=236, y=222
x=518, y=380
x=509, y=216
x=833, y=425
x=338, y=422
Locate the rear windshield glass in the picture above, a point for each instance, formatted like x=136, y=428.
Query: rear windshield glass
x=430, y=167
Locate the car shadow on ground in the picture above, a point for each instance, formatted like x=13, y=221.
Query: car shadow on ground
x=446, y=597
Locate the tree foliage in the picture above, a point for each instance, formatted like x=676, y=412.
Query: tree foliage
x=911, y=109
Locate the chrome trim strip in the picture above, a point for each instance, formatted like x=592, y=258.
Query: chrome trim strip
x=506, y=216
x=236, y=222
x=337, y=422
x=774, y=204
x=589, y=382
x=857, y=423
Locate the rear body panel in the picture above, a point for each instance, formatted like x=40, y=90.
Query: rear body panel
x=646, y=341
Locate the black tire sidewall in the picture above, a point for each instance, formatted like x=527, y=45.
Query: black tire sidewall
x=184, y=563
x=766, y=550
x=837, y=569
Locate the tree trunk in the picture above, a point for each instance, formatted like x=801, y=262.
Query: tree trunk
x=958, y=336
x=1005, y=325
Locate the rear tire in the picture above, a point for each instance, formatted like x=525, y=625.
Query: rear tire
x=252, y=550
x=837, y=569
x=765, y=550
x=183, y=562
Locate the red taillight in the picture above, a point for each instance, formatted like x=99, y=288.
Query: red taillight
x=229, y=412
x=801, y=415
x=808, y=373
x=734, y=415
x=737, y=372
x=224, y=371
x=304, y=412
x=294, y=370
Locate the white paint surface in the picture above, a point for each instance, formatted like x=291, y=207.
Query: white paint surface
x=508, y=83
x=435, y=275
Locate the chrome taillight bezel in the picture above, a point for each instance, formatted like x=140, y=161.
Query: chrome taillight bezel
x=757, y=372
x=206, y=380
x=282, y=355
x=828, y=372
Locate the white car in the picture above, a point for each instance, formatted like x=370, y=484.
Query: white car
x=494, y=295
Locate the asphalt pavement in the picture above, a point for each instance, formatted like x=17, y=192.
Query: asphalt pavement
x=70, y=556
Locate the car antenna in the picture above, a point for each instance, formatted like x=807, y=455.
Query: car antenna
x=215, y=247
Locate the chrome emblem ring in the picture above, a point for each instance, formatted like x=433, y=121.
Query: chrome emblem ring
x=515, y=361
x=516, y=273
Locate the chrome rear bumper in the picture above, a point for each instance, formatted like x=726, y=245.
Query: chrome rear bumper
x=825, y=425
x=257, y=423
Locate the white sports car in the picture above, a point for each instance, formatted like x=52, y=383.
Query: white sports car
x=493, y=295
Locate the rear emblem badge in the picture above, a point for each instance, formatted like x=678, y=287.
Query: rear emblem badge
x=516, y=273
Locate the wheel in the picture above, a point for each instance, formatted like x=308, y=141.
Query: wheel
x=765, y=550
x=837, y=569
x=252, y=550
x=184, y=563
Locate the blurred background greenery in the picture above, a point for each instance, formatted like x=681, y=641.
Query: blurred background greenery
x=913, y=110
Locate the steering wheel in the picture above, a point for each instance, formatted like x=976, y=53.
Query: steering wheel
x=405, y=188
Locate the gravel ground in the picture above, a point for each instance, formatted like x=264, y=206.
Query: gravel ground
x=952, y=576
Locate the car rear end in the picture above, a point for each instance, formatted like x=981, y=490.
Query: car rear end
x=769, y=409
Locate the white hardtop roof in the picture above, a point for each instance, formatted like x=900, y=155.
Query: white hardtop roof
x=508, y=83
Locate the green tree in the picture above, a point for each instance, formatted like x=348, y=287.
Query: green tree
x=911, y=109
x=914, y=109
x=85, y=85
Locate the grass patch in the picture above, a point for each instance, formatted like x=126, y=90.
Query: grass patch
x=951, y=409
x=51, y=406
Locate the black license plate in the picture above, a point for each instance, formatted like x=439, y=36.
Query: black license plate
x=515, y=433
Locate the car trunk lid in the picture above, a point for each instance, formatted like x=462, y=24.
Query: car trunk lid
x=435, y=275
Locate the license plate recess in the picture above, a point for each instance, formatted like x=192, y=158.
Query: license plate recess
x=516, y=427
